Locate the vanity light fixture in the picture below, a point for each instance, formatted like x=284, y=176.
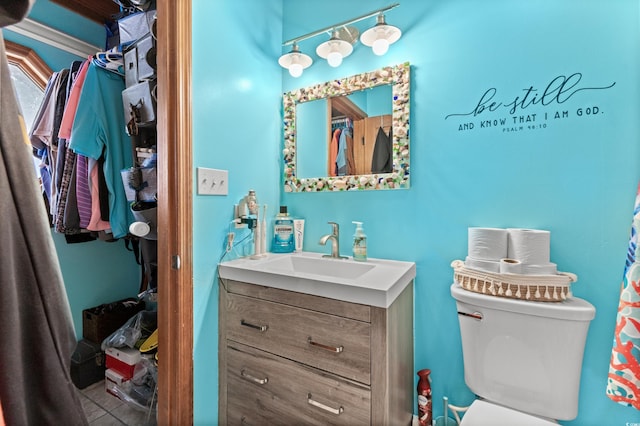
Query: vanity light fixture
x=295, y=61
x=334, y=49
x=340, y=45
x=380, y=36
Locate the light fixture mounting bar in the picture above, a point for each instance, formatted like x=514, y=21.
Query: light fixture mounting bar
x=341, y=24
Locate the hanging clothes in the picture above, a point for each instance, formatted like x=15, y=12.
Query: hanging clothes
x=351, y=160
x=623, y=384
x=99, y=131
x=333, y=152
x=382, y=160
x=346, y=139
x=63, y=118
x=38, y=336
x=72, y=102
x=41, y=140
x=83, y=191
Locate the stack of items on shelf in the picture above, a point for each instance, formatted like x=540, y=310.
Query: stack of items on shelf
x=88, y=360
x=512, y=263
x=137, y=38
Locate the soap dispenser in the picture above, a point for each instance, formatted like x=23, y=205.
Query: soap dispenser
x=359, y=243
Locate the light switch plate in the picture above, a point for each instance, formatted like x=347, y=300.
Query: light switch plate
x=212, y=181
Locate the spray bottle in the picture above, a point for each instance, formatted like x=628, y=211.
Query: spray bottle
x=425, y=413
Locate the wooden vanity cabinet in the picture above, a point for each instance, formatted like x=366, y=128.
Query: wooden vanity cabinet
x=289, y=358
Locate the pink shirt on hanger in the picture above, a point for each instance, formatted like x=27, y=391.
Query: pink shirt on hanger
x=96, y=223
x=72, y=103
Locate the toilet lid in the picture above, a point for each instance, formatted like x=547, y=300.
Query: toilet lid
x=483, y=413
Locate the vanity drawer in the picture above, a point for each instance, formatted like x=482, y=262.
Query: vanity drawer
x=328, y=342
x=263, y=388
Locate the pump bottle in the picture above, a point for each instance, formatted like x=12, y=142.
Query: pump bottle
x=359, y=243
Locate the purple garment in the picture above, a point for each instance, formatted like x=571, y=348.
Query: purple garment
x=83, y=193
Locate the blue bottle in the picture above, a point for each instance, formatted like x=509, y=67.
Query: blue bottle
x=283, y=237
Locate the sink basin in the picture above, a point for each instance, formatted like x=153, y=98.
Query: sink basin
x=338, y=268
x=376, y=282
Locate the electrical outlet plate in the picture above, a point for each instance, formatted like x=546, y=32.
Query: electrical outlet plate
x=213, y=181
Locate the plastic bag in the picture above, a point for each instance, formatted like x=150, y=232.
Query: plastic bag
x=136, y=329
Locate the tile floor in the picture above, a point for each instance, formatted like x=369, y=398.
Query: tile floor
x=104, y=409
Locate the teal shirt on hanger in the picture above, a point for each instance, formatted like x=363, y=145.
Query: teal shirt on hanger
x=99, y=126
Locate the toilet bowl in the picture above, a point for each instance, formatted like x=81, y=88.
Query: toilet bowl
x=483, y=413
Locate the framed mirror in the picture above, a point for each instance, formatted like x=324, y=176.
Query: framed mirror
x=348, y=134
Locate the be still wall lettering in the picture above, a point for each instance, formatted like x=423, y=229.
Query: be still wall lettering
x=522, y=111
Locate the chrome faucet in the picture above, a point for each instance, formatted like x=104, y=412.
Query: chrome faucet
x=335, y=241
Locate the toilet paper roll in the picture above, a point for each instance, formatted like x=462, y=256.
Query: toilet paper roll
x=546, y=269
x=510, y=266
x=482, y=264
x=529, y=246
x=487, y=243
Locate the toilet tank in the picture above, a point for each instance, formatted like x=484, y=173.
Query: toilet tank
x=521, y=354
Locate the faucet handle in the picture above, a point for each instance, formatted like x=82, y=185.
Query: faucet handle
x=334, y=227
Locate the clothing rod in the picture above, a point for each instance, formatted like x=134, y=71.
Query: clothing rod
x=45, y=34
x=341, y=24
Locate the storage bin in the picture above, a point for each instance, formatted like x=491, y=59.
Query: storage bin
x=140, y=61
x=135, y=26
x=87, y=364
x=100, y=321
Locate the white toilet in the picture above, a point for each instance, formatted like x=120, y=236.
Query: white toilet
x=522, y=359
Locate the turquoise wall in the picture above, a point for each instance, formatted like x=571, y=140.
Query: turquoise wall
x=575, y=175
x=236, y=127
x=95, y=272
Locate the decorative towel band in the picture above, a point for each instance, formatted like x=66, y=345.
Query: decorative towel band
x=537, y=288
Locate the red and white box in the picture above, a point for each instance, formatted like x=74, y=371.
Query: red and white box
x=122, y=360
x=113, y=380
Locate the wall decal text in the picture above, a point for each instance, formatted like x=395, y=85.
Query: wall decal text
x=520, y=109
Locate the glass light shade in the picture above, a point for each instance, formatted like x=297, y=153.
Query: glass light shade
x=295, y=61
x=295, y=70
x=380, y=46
x=334, y=50
x=380, y=36
x=334, y=59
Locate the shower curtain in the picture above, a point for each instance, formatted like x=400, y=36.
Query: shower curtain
x=623, y=384
x=35, y=320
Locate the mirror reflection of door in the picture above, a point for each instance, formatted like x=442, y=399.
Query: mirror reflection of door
x=364, y=135
x=320, y=124
x=357, y=133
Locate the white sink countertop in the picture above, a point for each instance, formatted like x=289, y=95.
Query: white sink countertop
x=375, y=282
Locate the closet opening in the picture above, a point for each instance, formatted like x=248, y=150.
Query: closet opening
x=175, y=299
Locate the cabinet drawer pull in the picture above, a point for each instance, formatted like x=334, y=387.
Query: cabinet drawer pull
x=336, y=411
x=261, y=328
x=254, y=379
x=335, y=349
